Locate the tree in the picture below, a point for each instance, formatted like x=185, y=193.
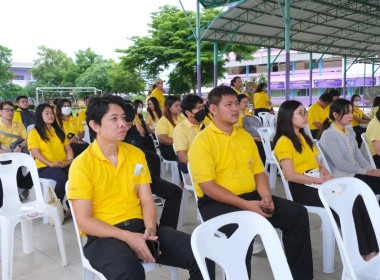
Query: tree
x=11, y=91
x=123, y=81
x=85, y=59
x=96, y=76
x=5, y=64
x=168, y=44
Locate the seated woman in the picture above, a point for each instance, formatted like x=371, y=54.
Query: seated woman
x=372, y=137
x=360, y=120
x=71, y=126
x=375, y=107
x=153, y=115
x=166, y=124
x=261, y=100
x=298, y=156
x=341, y=150
x=48, y=144
x=139, y=121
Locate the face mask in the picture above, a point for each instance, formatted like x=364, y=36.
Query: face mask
x=66, y=111
x=200, y=115
x=139, y=110
x=357, y=103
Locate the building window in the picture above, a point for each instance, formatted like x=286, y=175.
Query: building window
x=19, y=77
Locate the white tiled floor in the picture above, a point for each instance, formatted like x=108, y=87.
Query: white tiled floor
x=45, y=262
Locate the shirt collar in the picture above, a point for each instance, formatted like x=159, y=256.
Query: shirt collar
x=216, y=129
x=336, y=127
x=97, y=152
x=189, y=124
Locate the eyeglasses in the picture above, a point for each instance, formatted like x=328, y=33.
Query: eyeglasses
x=302, y=113
x=9, y=110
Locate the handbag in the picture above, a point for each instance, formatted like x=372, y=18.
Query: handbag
x=251, y=125
x=53, y=200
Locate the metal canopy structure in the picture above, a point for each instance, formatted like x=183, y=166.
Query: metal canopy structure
x=63, y=92
x=338, y=27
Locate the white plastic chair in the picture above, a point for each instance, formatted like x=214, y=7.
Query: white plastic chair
x=266, y=135
x=14, y=212
x=322, y=157
x=339, y=195
x=328, y=241
x=268, y=120
x=89, y=272
x=86, y=137
x=371, y=161
x=30, y=127
x=230, y=253
x=172, y=165
x=188, y=187
x=308, y=132
x=45, y=184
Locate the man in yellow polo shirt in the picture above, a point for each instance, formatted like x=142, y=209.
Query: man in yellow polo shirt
x=23, y=113
x=82, y=113
x=229, y=176
x=318, y=113
x=158, y=87
x=111, y=196
x=185, y=132
x=13, y=140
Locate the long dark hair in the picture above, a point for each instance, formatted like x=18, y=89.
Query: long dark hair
x=378, y=114
x=169, y=101
x=58, y=110
x=339, y=106
x=41, y=126
x=285, y=125
x=260, y=87
x=157, y=108
x=376, y=101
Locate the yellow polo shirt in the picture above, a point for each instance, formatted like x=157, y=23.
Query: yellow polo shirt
x=356, y=112
x=208, y=119
x=112, y=190
x=73, y=125
x=316, y=113
x=17, y=128
x=53, y=150
x=159, y=96
x=184, y=134
x=373, y=112
x=260, y=100
x=150, y=122
x=372, y=134
x=17, y=115
x=240, y=121
x=165, y=127
x=82, y=116
x=303, y=161
x=231, y=161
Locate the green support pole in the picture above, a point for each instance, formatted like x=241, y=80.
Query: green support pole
x=198, y=26
x=344, y=75
x=311, y=79
x=215, y=64
x=269, y=66
x=287, y=48
x=373, y=74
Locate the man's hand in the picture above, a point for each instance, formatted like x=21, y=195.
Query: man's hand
x=17, y=149
x=257, y=205
x=59, y=164
x=137, y=242
x=150, y=234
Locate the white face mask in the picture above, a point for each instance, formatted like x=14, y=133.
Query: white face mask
x=139, y=110
x=357, y=103
x=66, y=111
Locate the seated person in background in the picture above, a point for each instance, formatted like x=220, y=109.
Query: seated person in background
x=140, y=124
x=341, y=150
x=48, y=144
x=229, y=176
x=13, y=140
x=82, y=113
x=166, y=125
x=185, y=132
x=375, y=107
x=318, y=112
x=23, y=113
x=208, y=118
x=71, y=126
x=157, y=92
x=153, y=115
x=372, y=137
x=334, y=94
x=261, y=100
x=110, y=191
x=359, y=119
x=162, y=188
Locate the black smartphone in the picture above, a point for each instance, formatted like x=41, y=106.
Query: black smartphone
x=154, y=248
x=268, y=211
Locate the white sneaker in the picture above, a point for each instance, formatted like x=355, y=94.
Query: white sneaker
x=257, y=247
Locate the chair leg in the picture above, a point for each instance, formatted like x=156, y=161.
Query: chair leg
x=174, y=272
x=7, y=239
x=59, y=231
x=27, y=236
x=185, y=198
x=272, y=176
x=328, y=246
x=88, y=274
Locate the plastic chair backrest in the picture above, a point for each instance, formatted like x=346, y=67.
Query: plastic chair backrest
x=266, y=135
x=87, y=137
x=9, y=164
x=307, y=131
x=322, y=157
x=30, y=127
x=268, y=120
x=371, y=161
x=339, y=195
x=230, y=253
x=192, y=183
x=284, y=181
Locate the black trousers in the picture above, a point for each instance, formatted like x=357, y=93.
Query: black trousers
x=290, y=217
x=116, y=260
x=358, y=134
x=376, y=158
x=366, y=236
x=314, y=133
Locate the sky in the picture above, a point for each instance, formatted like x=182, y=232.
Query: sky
x=73, y=25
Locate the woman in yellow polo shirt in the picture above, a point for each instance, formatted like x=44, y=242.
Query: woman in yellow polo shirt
x=261, y=100
x=139, y=120
x=375, y=107
x=157, y=92
x=50, y=147
x=373, y=138
x=72, y=126
x=154, y=114
x=166, y=124
x=359, y=119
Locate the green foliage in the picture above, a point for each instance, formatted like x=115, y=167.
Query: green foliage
x=10, y=91
x=168, y=44
x=96, y=76
x=5, y=65
x=85, y=59
x=123, y=81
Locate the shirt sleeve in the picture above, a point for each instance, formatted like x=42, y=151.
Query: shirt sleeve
x=179, y=139
x=161, y=127
x=80, y=185
x=33, y=140
x=283, y=149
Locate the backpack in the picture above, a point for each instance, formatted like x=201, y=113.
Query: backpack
x=251, y=124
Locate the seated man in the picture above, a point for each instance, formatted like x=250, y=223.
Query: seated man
x=185, y=132
x=13, y=140
x=23, y=113
x=82, y=113
x=229, y=176
x=318, y=112
x=110, y=191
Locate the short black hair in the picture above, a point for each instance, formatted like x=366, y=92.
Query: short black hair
x=334, y=93
x=216, y=94
x=241, y=97
x=129, y=112
x=189, y=102
x=21, y=97
x=98, y=106
x=326, y=97
x=2, y=104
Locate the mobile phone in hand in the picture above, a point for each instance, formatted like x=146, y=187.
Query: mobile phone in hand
x=154, y=248
x=268, y=210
